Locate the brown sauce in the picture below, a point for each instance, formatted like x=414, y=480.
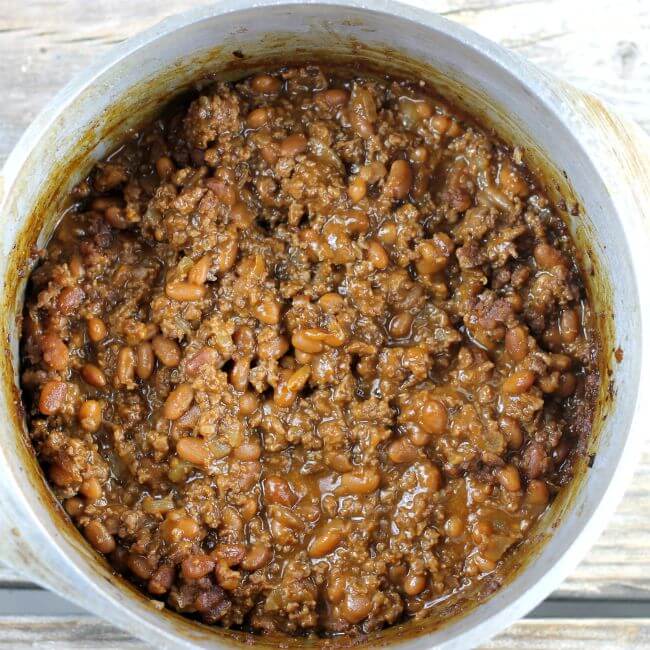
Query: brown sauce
x=309, y=354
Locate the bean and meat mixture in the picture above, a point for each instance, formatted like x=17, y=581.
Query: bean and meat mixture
x=310, y=354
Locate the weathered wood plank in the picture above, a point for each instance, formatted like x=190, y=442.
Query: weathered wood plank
x=571, y=634
x=44, y=44
x=64, y=633
x=88, y=633
x=600, y=46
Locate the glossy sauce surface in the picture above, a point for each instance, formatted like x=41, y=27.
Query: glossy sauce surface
x=310, y=354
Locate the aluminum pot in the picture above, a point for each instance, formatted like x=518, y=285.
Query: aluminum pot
x=568, y=135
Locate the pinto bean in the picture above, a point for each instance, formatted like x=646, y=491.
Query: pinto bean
x=265, y=84
x=277, y=490
x=548, y=256
x=227, y=255
x=197, y=566
x=96, y=329
x=400, y=325
x=176, y=527
x=74, y=506
x=561, y=451
x=167, y=351
x=178, y=401
x=293, y=145
x=258, y=117
x=537, y=492
x=198, y=274
x=297, y=380
x=400, y=178
x=517, y=343
x=433, y=255
x=267, y=312
x=125, y=370
x=364, y=112
x=116, y=217
x=433, y=416
x=377, y=255
x=99, y=537
x=331, y=302
x=240, y=373
x=508, y=476
x=327, y=538
x=441, y=123
x=93, y=375
x=257, y=556
x=355, y=607
x=402, y=451
x=185, y=291
x=90, y=415
x=309, y=340
x=139, y=565
x=55, y=352
x=569, y=325
x=231, y=554
x=454, y=526
x=248, y=403
x=387, y=234
x=518, y=382
x=567, y=384
x=165, y=167
x=249, y=451
x=357, y=189
x=338, y=461
x=193, y=450
x=69, y=300
x=333, y=97
x=91, y=488
x=335, y=338
x=359, y=482
x=414, y=584
x=144, y=360
x=534, y=460
x=52, y=397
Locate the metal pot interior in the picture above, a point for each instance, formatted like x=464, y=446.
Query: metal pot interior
x=128, y=88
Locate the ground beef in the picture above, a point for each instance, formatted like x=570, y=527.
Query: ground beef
x=309, y=354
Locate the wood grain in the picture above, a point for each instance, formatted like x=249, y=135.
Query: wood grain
x=571, y=634
x=89, y=633
x=64, y=633
x=602, y=46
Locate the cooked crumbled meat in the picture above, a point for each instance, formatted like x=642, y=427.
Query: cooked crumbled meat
x=310, y=355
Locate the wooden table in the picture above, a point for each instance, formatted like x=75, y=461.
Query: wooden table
x=599, y=45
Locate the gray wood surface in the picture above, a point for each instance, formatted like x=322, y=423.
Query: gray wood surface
x=599, y=45
x=87, y=633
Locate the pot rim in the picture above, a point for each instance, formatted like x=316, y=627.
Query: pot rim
x=558, y=100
